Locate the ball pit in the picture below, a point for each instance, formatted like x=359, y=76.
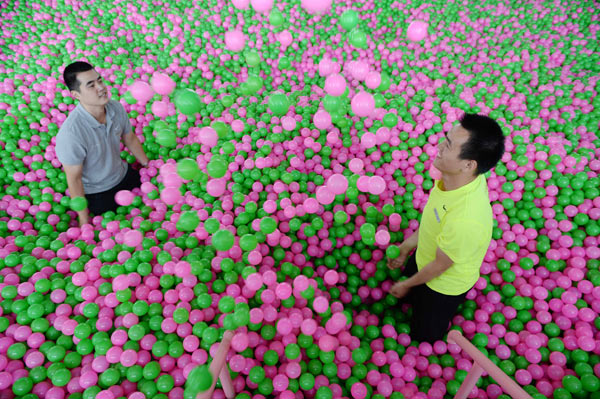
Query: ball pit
x=291, y=146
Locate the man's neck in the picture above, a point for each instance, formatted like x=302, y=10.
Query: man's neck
x=97, y=111
x=453, y=182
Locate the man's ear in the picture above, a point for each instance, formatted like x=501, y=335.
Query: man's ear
x=75, y=94
x=471, y=166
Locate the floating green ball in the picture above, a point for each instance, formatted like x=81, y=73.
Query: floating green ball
x=223, y=240
x=188, y=169
x=276, y=17
x=216, y=168
x=166, y=138
x=358, y=38
x=78, y=203
x=199, y=379
x=349, y=20
x=187, y=102
x=188, y=221
x=268, y=225
x=248, y=242
x=279, y=104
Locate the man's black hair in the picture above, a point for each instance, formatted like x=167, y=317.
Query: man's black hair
x=486, y=141
x=71, y=71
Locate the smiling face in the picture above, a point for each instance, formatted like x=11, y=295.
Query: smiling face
x=448, y=159
x=92, y=90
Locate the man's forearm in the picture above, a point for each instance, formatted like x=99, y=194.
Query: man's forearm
x=413, y=240
x=136, y=149
x=426, y=274
x=76, y=190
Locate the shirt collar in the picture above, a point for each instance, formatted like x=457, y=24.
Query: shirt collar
x=466, y=188
x=91, y=120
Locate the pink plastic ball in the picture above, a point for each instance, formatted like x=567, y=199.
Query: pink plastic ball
x=316, y=6
x=335, y=85
x=162, y=83
x=235, y=40
x=363, y=104
x=322, y=120
x=337, y=183
x=124, y=197
x=262, y=6
x=417, y=30
x=160, y=109
x=141, y=91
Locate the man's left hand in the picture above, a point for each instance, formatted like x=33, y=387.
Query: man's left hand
x=400, y=289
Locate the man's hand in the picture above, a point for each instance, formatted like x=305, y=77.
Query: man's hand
x=84, y=217
x=401, y=259
x=400, y=289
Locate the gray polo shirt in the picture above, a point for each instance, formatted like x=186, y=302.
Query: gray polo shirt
x=83, y=140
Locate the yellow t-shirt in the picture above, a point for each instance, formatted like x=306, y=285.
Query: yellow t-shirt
x=460, y=223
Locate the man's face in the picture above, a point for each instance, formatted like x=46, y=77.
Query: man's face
x=448, y=160
x=92, y=90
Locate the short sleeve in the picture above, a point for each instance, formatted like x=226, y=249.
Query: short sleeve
x=69, y=151
x=461, y=239
x=124, y=118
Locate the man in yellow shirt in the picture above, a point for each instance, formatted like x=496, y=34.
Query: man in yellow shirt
x=455, y=230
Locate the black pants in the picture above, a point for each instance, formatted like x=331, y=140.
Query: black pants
x=432, y=311
x=99, y=203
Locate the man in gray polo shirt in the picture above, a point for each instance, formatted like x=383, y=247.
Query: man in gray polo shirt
x=88, y=143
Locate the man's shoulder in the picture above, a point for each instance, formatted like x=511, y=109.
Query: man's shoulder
x=116, y=106
x=72, y=124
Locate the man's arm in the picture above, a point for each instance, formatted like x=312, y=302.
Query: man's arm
x=133, y=144
x=74, y=173
x=441, y=263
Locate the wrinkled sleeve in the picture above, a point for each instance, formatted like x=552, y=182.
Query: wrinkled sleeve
x=69, y=151
x=461, y=239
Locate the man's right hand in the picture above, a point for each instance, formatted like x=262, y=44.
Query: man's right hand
x=405, y=250
x=84, y=217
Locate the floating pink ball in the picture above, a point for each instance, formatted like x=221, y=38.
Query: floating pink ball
x=417, y=31
x=376, y=185
x=368, y=140
x=324, y=195
x=235, y=40
x=322, y=119
x=363, y=183
x=216, y=187
x=124, y=197
x=358, y=69
x=288, y=123
x=358, y=390
x=363, y=104
x=325, y=67
x=172, y=180
x=316, y=6
x=141, y=91
x=356, y=165
x=320, y=304
x=382, y=237
x=335, y=85
x=311, y=205
x=254, y=281
x=262, y=6
x=337, y=183
x=170, y=195
x=160, y=109
x=133, y=238
x=162, y=83
x=285, y=38
x=208, y=136
x=373, y=80
x=241, y=4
